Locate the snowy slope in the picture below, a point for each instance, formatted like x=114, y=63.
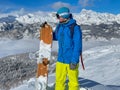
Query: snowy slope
x=102, y=62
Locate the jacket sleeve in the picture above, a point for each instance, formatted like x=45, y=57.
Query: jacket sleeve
x=77, y=44
x=54, y=36
x=55, y=33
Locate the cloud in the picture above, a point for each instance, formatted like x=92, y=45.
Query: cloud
x=19, y=12
x=13, y=13
x=59, y=4
x=85, y=3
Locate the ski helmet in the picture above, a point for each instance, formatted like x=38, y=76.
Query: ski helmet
x=63, y=12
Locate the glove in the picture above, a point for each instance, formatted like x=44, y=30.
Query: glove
x=73, y=66
x=43, y=24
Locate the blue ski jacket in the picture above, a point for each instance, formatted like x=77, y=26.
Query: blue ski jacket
x=69, y=48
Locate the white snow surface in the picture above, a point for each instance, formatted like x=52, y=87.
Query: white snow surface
x=101, y=59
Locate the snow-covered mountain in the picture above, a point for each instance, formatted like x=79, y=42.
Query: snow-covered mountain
x=91, y=17
x=93, y=24
x=84, y=17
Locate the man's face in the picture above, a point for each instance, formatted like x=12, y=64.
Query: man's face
x=61, y=19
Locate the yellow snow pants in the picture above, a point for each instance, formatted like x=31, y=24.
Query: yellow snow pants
x=62, y=71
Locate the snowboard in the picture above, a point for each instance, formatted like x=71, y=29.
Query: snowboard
x=44, y=56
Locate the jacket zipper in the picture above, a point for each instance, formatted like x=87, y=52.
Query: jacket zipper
x=62, y=41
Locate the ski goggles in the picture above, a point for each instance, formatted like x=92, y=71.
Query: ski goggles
x=64, y=15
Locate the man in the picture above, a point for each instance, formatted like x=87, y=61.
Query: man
x=70, y=48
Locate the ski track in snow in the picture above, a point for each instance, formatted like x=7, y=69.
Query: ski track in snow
x=102, y=63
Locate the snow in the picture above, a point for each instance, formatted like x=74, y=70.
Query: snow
x=87, y=17
x=36, y=17
x=43, y=81
x=44, y=51
x=104, y=60
x=101, y=59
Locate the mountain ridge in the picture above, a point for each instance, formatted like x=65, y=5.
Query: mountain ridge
x=93, y=24
x=84, y=17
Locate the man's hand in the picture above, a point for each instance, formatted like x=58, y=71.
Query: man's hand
x=73, y=66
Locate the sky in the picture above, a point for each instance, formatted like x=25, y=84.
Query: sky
x=108, y=6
